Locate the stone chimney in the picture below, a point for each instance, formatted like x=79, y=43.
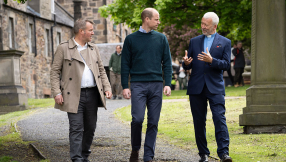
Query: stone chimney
x=77, y=9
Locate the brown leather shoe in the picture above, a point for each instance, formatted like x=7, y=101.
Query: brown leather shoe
x=134, y=157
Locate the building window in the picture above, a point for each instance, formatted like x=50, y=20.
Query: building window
x=11, y=33
x=114, y=27
x=47, y=42
x=30, y=38
x=58, y=39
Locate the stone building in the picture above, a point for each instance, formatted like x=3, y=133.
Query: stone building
x=105, y=30
x=37, y=28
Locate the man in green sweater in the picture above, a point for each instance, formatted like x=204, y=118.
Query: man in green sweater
x=145, y=54
x=115, y=76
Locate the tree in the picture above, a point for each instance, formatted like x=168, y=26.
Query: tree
x=19, y=1
x=235, y=15
x=179, y=39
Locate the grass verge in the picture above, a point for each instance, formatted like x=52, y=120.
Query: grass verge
x=12, y=147
x=229, y=91
x=176, y=126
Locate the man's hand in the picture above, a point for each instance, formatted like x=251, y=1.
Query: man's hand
x=206, y=57
x=167, y=91
x=126, y=93
x=59, y=99
x=187, y=60
x=108, y=94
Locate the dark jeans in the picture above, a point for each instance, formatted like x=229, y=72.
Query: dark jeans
x=83, y=124
x=238, y=79
x=145, y=94
x=199, y=111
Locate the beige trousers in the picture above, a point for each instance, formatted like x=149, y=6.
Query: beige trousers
x=115, y=80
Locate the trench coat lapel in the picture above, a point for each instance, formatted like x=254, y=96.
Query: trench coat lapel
x=73, y=51
x=86, y=56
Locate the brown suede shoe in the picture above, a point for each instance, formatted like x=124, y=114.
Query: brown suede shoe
x=134, y=157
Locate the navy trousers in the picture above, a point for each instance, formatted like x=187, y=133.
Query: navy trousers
x=199, y=111
x=145, y=94
x=83, y=124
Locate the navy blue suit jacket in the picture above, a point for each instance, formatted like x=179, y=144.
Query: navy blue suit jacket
x=205, y=73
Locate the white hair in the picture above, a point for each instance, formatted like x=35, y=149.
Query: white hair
x=213, y=16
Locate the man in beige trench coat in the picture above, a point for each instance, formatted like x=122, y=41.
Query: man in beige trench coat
x=79, y=83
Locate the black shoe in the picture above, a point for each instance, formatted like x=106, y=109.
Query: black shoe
x=134, y=157
x=114, y=97
x=119, y=98
x=85, y=160
x=204, y=158
x=226, y=158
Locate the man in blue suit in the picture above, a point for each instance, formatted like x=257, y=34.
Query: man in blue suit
x=208, y=56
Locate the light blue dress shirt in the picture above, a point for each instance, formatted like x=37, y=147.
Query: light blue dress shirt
x=208, y=41
x=142, y=30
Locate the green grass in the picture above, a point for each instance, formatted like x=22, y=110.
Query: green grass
x=6, y=159
x=229, y=91
x=12, y=137
x=176, y=127
x=36, y=103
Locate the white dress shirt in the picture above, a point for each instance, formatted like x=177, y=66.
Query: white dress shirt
x=87, y=79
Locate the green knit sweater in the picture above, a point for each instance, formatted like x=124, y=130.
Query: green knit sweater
x=144, y=56
x=115, y=63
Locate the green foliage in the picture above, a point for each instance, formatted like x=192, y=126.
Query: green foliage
x=235, y=16
x=19, y=1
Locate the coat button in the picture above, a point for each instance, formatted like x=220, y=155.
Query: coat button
x=70, y=78
x=68, y=93
x=101, y=89
x=69, y=64
x=91, y=48
x=97, y=62
x=62, y=89
x=99, y=76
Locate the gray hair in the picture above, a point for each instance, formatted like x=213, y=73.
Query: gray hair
x=80, y=24
x=213, y=16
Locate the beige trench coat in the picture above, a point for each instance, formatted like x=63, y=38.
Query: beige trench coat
x=66, y=74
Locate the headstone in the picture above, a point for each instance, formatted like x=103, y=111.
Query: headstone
x=265, y=110
x=13, y=96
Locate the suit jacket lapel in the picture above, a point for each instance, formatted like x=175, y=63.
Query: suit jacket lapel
x=215, y=42
x=202, y=42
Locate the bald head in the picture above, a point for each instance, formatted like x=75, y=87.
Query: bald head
x=148, y=12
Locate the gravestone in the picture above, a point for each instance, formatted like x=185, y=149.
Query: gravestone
x=265, y=110
x=13, y=96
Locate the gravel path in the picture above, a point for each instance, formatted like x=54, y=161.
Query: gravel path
x=49, y=130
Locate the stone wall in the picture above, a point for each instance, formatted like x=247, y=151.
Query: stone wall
x=15, y=4
x=45, y=9
x=35, y=70
x=103, y=28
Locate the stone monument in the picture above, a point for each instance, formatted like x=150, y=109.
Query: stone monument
x=265, y=110
x=13, y=96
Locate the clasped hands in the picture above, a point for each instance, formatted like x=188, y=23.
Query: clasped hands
x=206, y=57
